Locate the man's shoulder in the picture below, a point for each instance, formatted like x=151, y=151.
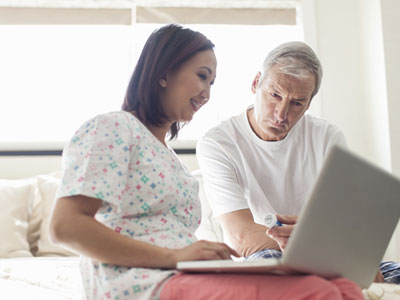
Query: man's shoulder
x=317, y=129
x=316, y=123
x=222, y=137
x=315, y=120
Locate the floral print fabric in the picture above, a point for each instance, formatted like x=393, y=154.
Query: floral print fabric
x=147, y=195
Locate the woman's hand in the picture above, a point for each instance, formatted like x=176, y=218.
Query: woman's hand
x=203, y=250
x=281, y=234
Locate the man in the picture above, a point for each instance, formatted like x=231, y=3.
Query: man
x=266, y=159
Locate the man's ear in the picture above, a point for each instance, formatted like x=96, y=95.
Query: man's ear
x=256, y=82
x=163, y=82
x=308, y=105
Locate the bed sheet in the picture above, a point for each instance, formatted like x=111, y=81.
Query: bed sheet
x=41, y=278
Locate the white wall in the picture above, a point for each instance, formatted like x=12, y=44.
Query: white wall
x=347, y=98
x=358, y=43
x=376, y=118
x=391, y=40
x=17, y=167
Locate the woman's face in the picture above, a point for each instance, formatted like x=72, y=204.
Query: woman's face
x=187, y=89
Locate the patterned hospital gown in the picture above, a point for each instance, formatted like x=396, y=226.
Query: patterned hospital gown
x=147, y=195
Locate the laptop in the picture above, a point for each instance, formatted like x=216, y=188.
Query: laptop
x=343, y=229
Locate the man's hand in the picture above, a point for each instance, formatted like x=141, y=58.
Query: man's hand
x=379, y=277
x=246, y=236
x=281, y=234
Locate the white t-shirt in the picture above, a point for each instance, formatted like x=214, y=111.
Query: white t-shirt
x=242, y=171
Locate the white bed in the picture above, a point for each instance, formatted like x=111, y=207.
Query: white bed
x=40, y=278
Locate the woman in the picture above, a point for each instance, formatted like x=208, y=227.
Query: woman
x=129, y=207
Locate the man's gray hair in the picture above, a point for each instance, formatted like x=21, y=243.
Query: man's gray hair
x=295, y=59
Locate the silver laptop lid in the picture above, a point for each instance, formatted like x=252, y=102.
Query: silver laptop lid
x=349, y=219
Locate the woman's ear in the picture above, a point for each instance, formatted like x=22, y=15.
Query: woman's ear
x=163, y=82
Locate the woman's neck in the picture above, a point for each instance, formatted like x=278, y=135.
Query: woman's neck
x=159, y=132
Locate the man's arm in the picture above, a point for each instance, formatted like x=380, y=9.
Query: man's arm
x=246, y=236
x=227, y=200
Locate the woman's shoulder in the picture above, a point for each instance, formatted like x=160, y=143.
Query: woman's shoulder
x=109, y=125
x=116, y=119
x=116, y=116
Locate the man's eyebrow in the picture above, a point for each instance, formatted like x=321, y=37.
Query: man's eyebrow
x=274, y=89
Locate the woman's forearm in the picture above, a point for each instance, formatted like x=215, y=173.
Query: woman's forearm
x=93, y=239
x=85, y=235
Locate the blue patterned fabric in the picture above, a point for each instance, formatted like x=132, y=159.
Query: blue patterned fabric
x=265, y=253
x=389, y=269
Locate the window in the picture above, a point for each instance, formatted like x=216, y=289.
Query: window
x=56, y=75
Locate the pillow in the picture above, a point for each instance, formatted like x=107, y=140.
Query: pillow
x=48, y=185
x=16, y=199
x=209, y=228
x=382, y=291
x=35, y=220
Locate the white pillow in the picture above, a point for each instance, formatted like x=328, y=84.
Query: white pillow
x=48, y=185
x=209, y=228
x=35, y=220
x=16, y=199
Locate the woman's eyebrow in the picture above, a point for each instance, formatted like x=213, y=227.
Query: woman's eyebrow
x=207, y=68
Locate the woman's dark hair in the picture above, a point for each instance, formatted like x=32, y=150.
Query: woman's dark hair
x=166, y=50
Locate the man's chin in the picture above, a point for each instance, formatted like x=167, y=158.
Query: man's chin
x=280, y=127
x=274, y=134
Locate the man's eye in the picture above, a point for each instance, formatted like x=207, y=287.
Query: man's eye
x=297, y=103
x=275, y=95
x=202, y=76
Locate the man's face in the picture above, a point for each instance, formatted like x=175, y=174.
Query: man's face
x=281, y=100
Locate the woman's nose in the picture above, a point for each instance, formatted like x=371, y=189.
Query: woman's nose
x=205, y=95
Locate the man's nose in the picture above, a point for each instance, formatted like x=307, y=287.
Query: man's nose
x=281, y=110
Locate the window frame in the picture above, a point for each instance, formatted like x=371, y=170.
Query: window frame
x=17, y=12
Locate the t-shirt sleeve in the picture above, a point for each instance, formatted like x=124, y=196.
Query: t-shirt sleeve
x=334, y=137
x=96, y=160
x=221, y=185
